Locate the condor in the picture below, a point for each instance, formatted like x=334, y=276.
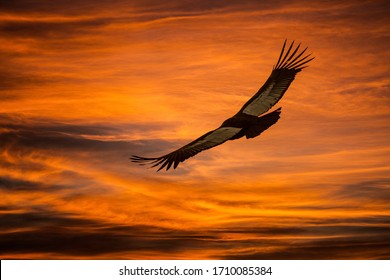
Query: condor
x=249, y=121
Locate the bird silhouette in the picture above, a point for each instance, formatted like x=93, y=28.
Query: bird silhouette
x=247, y=122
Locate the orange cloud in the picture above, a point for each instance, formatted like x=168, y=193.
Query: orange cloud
x=84, y=88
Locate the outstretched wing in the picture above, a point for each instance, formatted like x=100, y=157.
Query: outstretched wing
x=283, y=73
x=207, y=141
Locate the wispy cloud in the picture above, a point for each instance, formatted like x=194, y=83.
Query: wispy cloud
x=84, y=86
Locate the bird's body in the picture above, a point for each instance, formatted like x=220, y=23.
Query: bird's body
x=241, y=120
x=249, y=125
x=249, y=121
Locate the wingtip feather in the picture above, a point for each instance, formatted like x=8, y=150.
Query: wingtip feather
x=292, y=61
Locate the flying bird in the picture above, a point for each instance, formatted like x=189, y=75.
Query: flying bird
x=247, y=122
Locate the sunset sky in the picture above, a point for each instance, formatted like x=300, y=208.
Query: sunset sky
x=86, y=84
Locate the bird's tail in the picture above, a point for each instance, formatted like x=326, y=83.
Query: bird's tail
x=263, y=123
